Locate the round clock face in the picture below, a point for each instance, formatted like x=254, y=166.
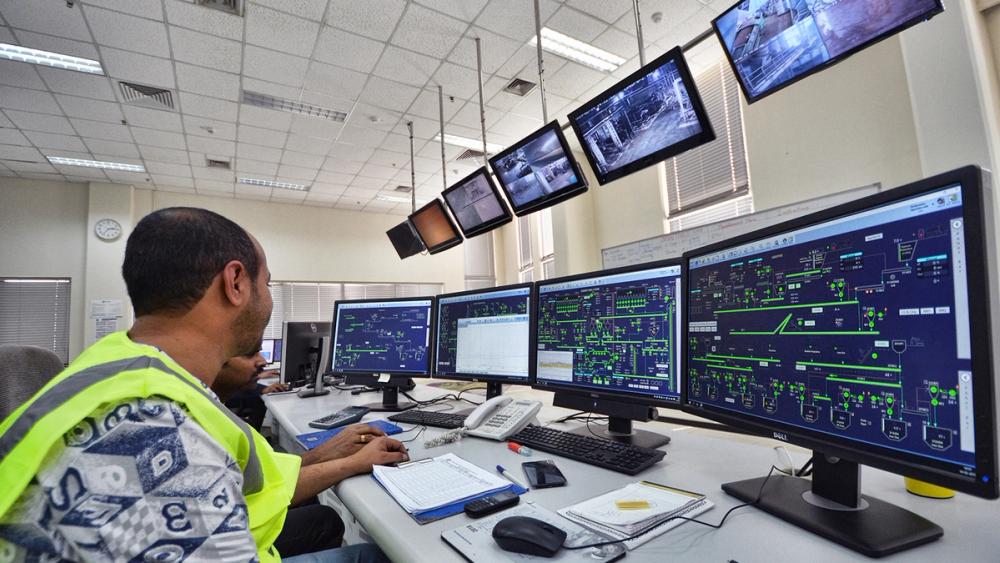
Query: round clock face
x=108, y=229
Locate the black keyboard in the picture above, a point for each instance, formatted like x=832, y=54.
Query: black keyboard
x=430, y=418
x=623, y=458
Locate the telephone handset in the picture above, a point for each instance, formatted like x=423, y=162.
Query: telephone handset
x=501, y=417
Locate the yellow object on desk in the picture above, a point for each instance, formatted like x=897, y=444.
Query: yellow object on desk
x=632, y=504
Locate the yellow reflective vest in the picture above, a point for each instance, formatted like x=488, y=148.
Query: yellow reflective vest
x=117, y=369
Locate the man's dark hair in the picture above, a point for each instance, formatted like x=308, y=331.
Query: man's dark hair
x=173, y=254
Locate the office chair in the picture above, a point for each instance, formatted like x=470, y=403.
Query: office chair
x=23, y=371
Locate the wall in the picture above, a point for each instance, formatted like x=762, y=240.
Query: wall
x=104, y=258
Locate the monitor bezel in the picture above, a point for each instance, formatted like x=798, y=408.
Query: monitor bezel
x=570, y=191
x=707, y=131
x=616, y=395
x=455, y=241
x=416, y=237
x=860, y=47
x=486, y=226
x=911, y=465
x=431, y=344
x=478, y=377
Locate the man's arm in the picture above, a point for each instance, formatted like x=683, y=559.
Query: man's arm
x=316, y=477
x=347, y=442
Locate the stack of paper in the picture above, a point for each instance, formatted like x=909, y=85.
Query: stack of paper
x=429, y=484
x=639, y=508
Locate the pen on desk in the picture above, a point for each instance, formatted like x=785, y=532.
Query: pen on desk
x=519, y=449
x=510, y=477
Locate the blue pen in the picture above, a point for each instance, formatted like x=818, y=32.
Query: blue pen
x=512, y=479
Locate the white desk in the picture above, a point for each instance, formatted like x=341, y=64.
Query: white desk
x=697, y=460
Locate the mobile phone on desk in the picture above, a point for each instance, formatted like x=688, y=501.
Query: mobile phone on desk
x=543, y=474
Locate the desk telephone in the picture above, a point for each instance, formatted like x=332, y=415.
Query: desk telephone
x=501, y=417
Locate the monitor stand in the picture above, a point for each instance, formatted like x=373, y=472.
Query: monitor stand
x=620, y=416
x=390, y=398
x=832, y=506
x=620, y=430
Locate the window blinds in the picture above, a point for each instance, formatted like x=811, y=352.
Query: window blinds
x=35, y=312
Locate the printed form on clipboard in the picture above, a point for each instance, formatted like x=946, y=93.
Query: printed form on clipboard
x=429, y=484
x=638, y=508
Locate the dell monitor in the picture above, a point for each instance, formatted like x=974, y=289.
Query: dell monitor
x=436, y=229
x=607, y=342
x=771, y=45
x=476, y=204
x=302, y=350
x=383, y=343
x=862, y=332
x=484, y=335
x=653, y=114
x=539, y=171
x=405, y=240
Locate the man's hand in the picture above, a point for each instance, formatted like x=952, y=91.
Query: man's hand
x=346, y=443
x=380, y=451
x=274, y=387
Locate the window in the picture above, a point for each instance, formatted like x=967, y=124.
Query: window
x=712, y=214
x=35, y=312
x=536, y=228
x=717, y=171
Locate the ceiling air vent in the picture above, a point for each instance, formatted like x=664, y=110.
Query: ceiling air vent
x=147, y=96
x=403, y=189
x=213, y=163
x=519, y=87
x=230, y=6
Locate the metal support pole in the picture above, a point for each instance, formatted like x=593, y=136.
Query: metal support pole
x=541, y=66
x=444, y=171
x=482, y=104
x=413, y=172
x=638, y=33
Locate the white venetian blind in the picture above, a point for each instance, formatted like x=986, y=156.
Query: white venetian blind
x=35, y=312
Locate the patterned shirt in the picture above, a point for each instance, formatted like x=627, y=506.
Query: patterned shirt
x=139, y=481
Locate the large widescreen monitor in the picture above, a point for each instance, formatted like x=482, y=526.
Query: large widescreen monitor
x=539, y=171
x=405, y=240
x=484, y=335
x=773, y=44
x=383, y=342
x=611, y=339
x=653, y=114
x=476, y=204
x=436, y=229
x=862, y=332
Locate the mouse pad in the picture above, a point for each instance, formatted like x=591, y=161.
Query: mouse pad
x=312, y=439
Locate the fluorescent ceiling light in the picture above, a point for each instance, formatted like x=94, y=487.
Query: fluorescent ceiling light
x=280, y=104
x=398, y=199
x=37, y=57
x=273, y=184
x=578, y=51
x=465, y=142
x=96, y=164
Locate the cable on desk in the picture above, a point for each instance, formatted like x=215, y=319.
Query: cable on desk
x=415, y=436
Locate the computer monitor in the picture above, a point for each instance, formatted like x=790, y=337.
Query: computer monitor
x=476, y=204
x=607, y=342
x=436, y=229
x=302, y=348
x=771, y=45
x=484, y=335
x=653, y=114
x=539, y=171
x=862, y=332
x=276, y=355
x=267, y=349
x=405, y=240
x=383, y=343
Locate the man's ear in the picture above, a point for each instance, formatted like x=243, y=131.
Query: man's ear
x=236, y=283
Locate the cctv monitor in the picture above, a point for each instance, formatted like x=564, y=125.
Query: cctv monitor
x=771, y=45
x=653, y=114
x=302, y=349
x=539, y=171
x=476, y=204
x=436, y=229
x=383, y=343
x=405, y=240
x=862, y=332
x=608, y=342
x=484, y=335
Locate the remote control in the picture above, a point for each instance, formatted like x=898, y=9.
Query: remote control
x=349, y=415
x=493, y=503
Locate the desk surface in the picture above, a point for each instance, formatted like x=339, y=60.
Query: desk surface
x=697, y=459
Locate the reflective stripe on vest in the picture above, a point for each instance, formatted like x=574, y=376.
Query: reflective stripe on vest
x=253, y=475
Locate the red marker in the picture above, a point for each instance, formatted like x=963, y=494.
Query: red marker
x=519, y=449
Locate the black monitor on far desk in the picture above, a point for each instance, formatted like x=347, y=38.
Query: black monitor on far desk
x=382, y=343
x=301, y=349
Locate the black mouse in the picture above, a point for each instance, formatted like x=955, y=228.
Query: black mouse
x=532, y=536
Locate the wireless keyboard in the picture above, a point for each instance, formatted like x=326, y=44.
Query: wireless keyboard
x=430, y=418
x=608, y=454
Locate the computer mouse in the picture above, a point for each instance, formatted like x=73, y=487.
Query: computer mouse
x=532, y=536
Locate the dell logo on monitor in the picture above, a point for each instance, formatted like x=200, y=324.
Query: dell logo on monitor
x=781, y=436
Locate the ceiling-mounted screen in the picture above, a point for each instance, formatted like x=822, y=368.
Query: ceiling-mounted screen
x=476, y=204
x=648, y=117
x=539, y=171
x=435, y=228
x=772, y=43
x=405, y=240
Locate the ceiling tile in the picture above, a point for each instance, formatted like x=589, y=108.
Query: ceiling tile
x=514, y=18
x=296, y=172
x=371, y=117
x=347, y=50
x=469, y=116
x=160, y=154
x=398, y=161
x=267, y=118
x=401, y=144
x=618, y=42
x=205, y=50
x=301, y=159
x=53, y=18
x=215, y=22
x=7, y=35
x=432, y=151
x=531, y=105
x=138, y=179
x=384, y=173
x=151, y=9
x=337, y=178
x=610, y=12
x=257, y=152
x=389, y=95
x=84, y=49
x=128, y=32
x=78, y=84
x=457, y=81
x=271, y=88
x=321, y=190
x=371, y=18
x=83, y=172
x=516, y=125
x=201, y=106
x=573, y=79
x=252, y=192
x=423, y=128
x=316, y=127
x=102, y=130
x=211, y=146
x=280, y=31
x=246, y=167
x=113, y=148
x=29, y=100
x=39, y=166
x=176, y=189
x=496, y=50
x=134, y=67
x=156, y=138
x=275, y=67
x=335, y=169
x=259, y=136
x=342, y=151
x=90, y=109
x=209, y=187
x=349, y=204
x=4, y=122
x=170, y=169
x=208, y=82
x=465, y=10
x=23, y=75
x=27, y=121
x=114, y=158
x=577, y=25
x=309, y=9
x=308, y=145
x=205, y=127
x=152, y=119
x=179, y=181
x=426, y=105
x=288, y=196
x=213, y=174
x=405, y=66
x=13, y=137
x=427, y=31
x=362, y=137
x=335, y=81
x=56, y=141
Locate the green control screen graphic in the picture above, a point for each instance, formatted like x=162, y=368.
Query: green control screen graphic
x=856, y=327
x=383, y=337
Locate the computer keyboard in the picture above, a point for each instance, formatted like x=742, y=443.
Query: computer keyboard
x=623, y=458
x=429, y=418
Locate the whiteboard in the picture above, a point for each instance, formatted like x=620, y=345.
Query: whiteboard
x=672, y=245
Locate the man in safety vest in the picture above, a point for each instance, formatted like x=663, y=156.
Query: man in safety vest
x=127, y=455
